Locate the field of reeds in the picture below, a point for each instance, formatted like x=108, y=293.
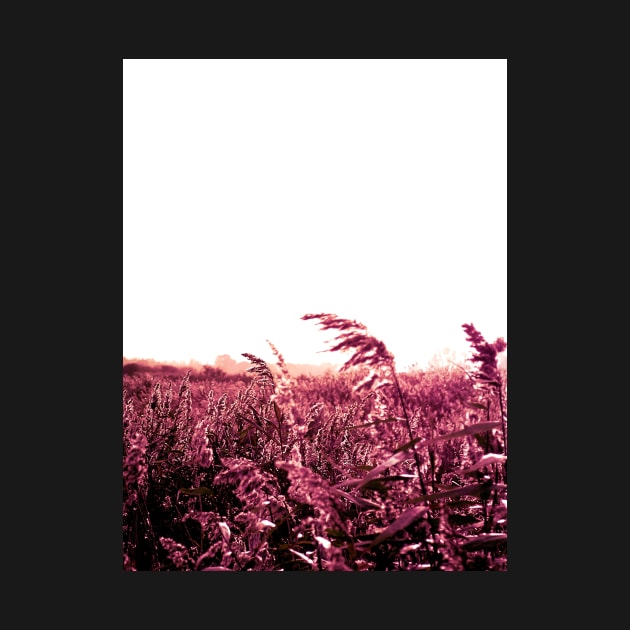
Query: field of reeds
x=366, y=469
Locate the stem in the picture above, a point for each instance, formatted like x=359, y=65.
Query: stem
x=503, y=429
x=416, y=456
x=409, y=431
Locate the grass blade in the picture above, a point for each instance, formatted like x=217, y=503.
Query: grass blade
x=403, y=521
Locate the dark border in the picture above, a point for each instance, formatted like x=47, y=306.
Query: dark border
x=334, y=596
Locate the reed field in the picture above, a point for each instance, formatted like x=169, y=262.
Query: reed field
x=364, y=469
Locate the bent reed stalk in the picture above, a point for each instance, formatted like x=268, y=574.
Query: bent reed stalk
x=367, y=351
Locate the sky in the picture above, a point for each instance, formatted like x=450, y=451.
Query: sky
x=256, y=191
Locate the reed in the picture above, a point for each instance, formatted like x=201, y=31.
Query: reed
x=364, y=470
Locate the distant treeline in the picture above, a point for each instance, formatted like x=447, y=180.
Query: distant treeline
x=224, y=368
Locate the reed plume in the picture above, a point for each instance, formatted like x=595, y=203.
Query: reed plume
x=366, y=351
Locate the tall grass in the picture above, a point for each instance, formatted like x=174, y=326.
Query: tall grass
x=364, y=470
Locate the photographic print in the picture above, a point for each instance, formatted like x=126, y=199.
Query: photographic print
x=314, y=315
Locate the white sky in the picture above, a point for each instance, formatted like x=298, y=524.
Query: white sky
x=258, y=190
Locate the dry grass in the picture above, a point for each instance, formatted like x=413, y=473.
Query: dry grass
x=365, y=470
